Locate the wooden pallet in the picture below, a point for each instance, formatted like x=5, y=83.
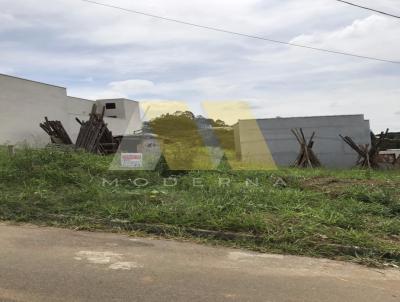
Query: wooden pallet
x=94, y=135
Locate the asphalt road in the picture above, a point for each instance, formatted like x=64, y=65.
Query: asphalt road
x=47, y=264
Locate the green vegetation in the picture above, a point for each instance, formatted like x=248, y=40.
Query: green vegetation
x=352, y=215
x=187, y=141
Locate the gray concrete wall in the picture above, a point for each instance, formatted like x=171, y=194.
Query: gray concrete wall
x=329, y=147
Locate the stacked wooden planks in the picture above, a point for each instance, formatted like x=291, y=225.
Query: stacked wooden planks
x=363, y=151
x=56, y=131
x=391, y=140
x=307, y=157
x=94, y=136
x=368, y=156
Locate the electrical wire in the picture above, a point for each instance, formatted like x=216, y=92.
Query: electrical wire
x=370, y=9
x=242, y=34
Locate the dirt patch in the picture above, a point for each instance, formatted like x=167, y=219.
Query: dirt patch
x=336, y=186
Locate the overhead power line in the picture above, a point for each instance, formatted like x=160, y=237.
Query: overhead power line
x=242, y=34
x=370, y=9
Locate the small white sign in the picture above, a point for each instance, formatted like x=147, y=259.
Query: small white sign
x=132, y=160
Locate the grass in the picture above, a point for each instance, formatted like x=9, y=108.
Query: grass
x=347, y=215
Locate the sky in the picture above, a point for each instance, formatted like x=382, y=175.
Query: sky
x=98, y=52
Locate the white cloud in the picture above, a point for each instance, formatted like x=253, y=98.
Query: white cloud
x=125, y=55
x=133, y=86
x=8, y=21
x=367, y=36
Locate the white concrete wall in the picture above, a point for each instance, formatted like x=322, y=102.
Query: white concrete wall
x=24, y=104
x=77, y=108
x=127, y=116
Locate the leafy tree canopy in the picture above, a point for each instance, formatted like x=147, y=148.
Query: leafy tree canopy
x=180, y=122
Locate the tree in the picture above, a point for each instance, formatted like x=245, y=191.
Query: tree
x=218, y=123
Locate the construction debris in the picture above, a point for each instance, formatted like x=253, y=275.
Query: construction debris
x=94, y=136
x=368, y=155
x=378, y=141
x=397, y=163
x=389, y=158
x=364, y=153
x=56, y=131
x=391, y=140
x=307, y=157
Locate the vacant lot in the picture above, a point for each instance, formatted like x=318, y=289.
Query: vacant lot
x=352, y=215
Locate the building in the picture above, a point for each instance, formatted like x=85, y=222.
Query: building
x=25, y=103
x=259, y=140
